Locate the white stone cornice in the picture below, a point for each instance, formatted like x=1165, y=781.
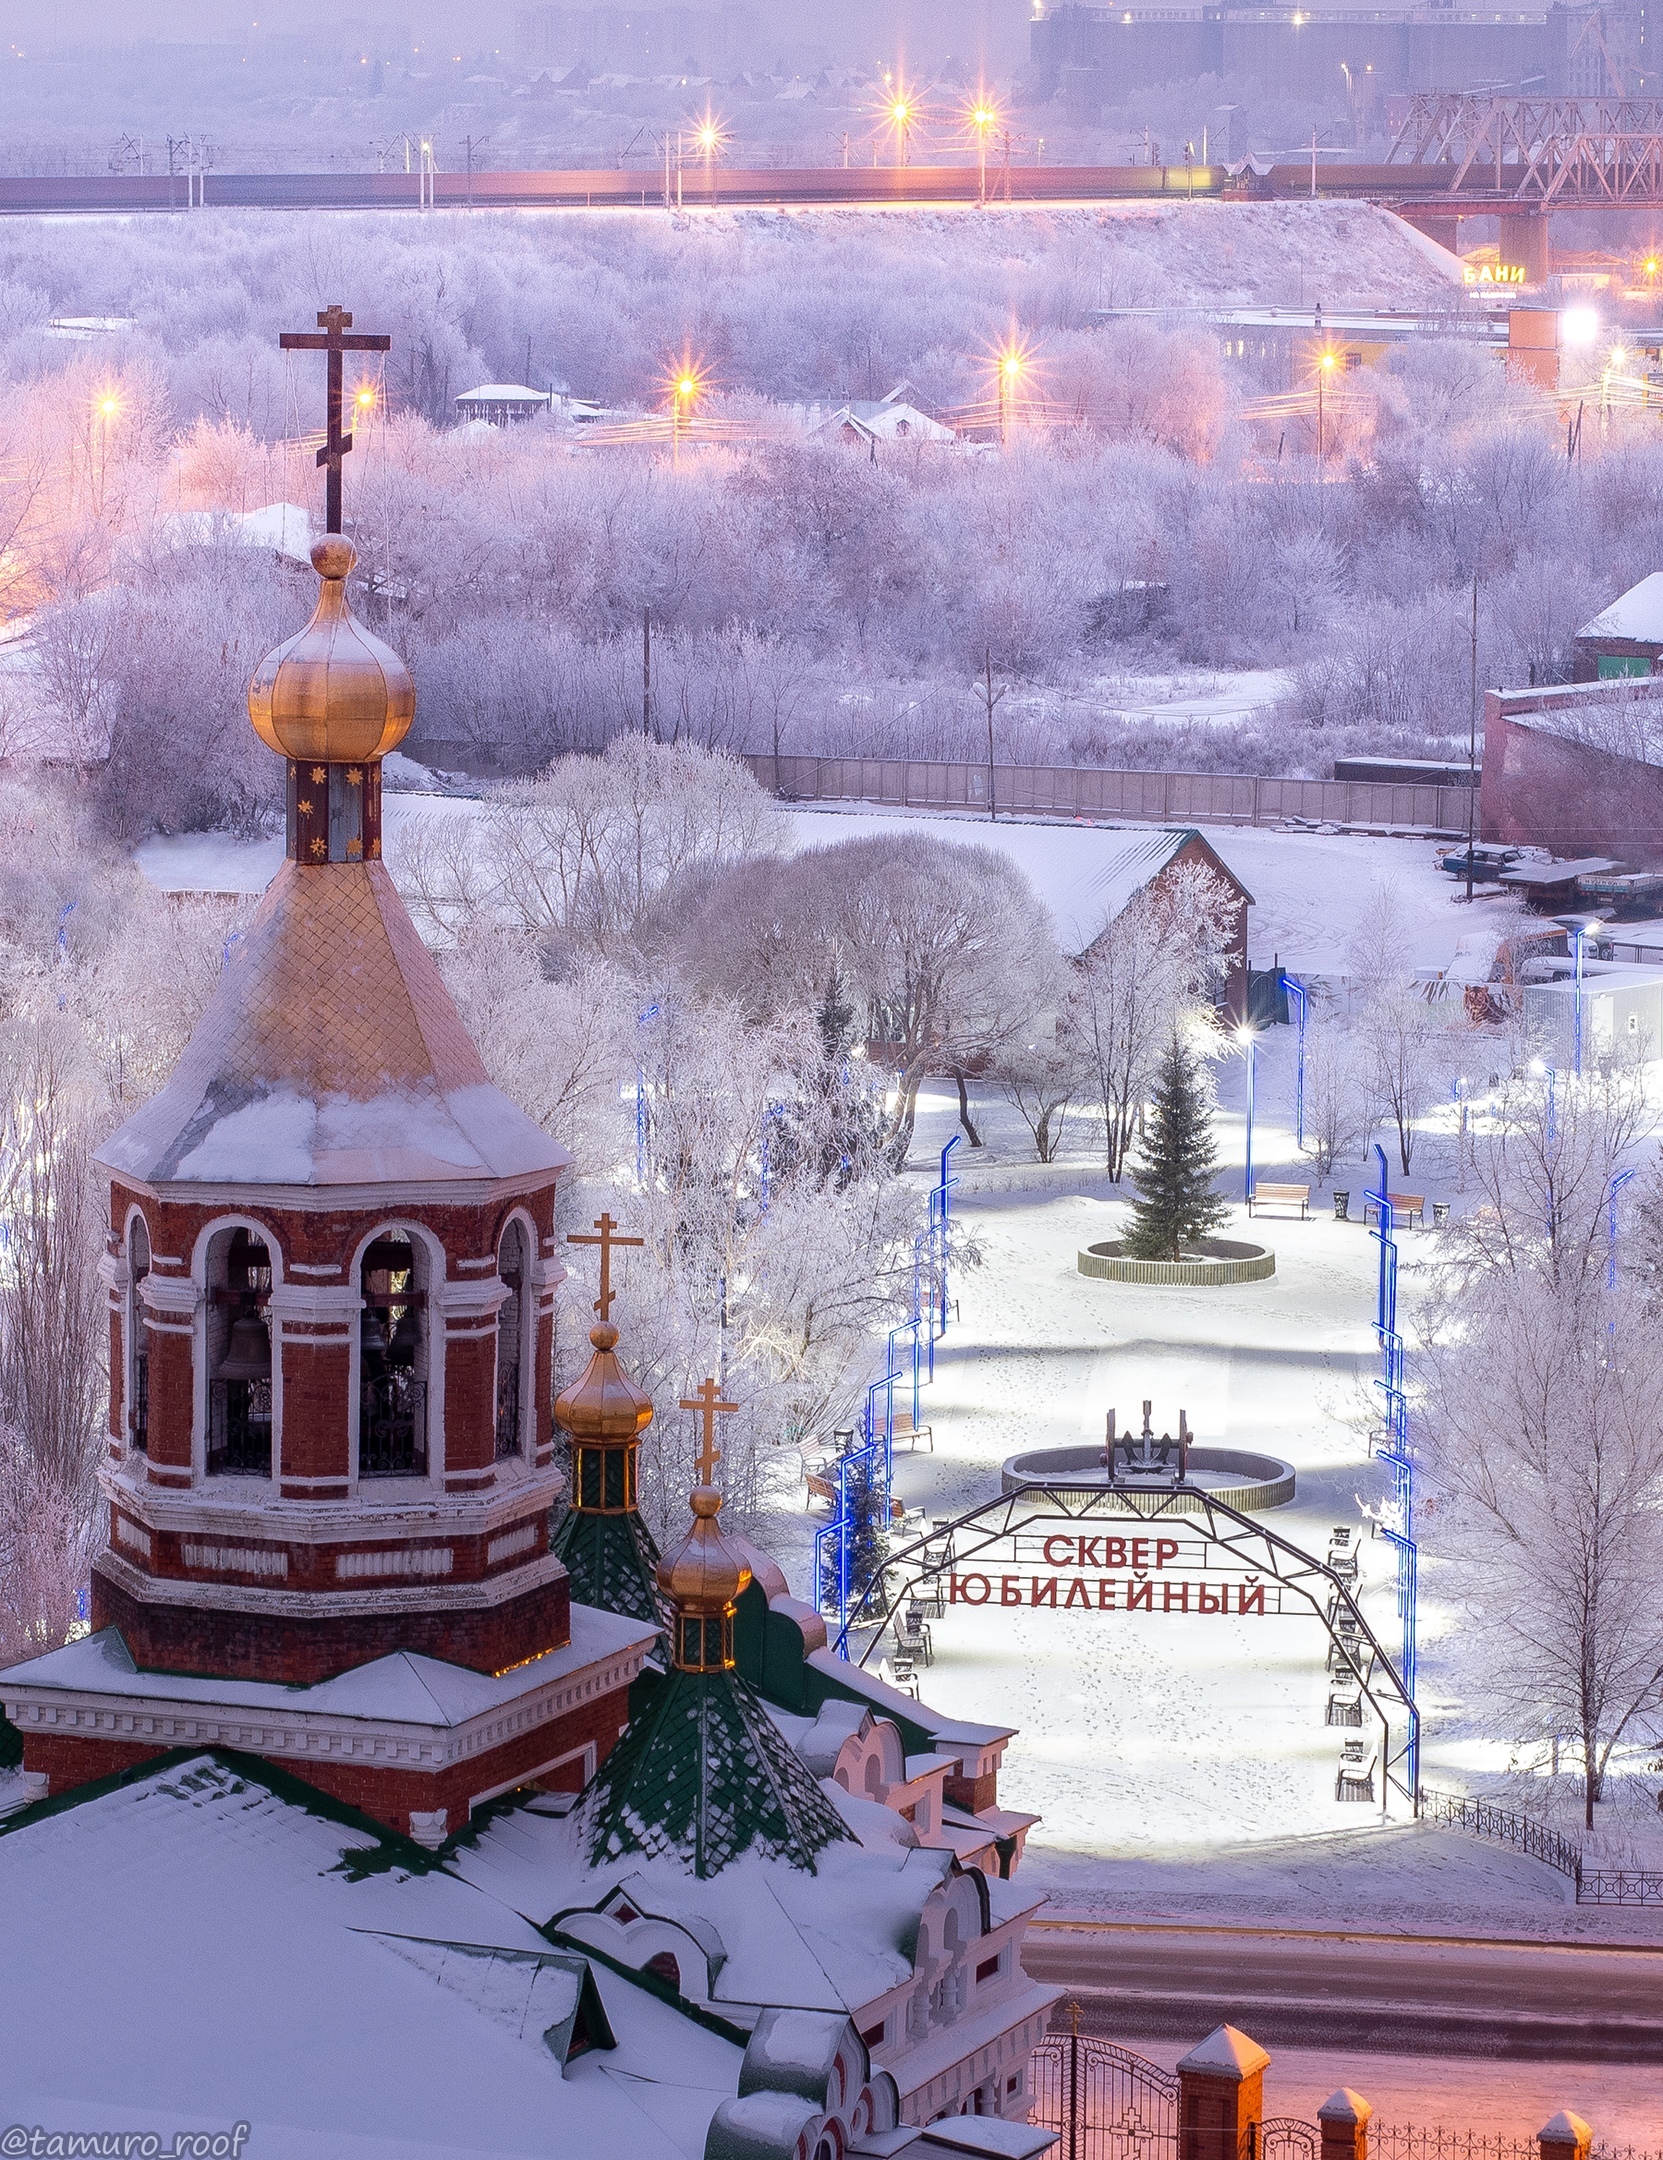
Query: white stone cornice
x=316, y=1304
x=216, y=1508
x=479, y=1299
x=313, y=1735
x=175, y=1295
x=425, y=1596
x=264, y=1201
x=114, y=1273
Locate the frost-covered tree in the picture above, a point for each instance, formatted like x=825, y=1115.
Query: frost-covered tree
x=1543, y=1440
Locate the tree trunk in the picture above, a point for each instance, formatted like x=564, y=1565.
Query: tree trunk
x=970, y=1132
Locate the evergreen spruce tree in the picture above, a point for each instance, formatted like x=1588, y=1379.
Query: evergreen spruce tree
x=868, y=1536
x=1177, y=1162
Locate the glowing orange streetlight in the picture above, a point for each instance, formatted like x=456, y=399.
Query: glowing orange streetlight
x=710, y=141
x=902, y=113
x=686, y=387
x=1326, y=363
x=982, y=115
x=1011, y=362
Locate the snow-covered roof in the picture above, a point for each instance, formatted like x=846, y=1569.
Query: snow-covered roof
x=284, y=527
x=330, y=1054
x=498, y=393
x=402, y=1688
x=1636, y=616
x=189, y=1948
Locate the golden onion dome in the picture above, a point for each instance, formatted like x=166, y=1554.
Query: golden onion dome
x=704, y=1574
x=332, y=692
x=603, y=1403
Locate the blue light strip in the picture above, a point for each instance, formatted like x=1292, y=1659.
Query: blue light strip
x=877, y=1450
x=1396, y=1454
x=1292, y=987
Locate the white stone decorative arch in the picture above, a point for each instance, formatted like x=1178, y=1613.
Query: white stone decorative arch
x=530, y=1315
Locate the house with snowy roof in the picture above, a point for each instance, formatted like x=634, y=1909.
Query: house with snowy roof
x=865, y=422
x=631, y=1863
x=1625, y=638
x=1578, y=769
x=1141, y=864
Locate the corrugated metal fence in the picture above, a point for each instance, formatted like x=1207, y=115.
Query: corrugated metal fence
x=1162, y=798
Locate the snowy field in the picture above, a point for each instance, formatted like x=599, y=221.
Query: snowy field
x=1310, y=889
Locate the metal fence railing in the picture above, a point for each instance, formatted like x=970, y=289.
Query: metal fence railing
x=1594, y=1886
x=1162, y=798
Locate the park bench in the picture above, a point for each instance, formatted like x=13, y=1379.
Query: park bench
x=820, y=1488
x=905, y=1429
x=900, y=1673
x=1345, y=1706
x=912, y=1636
x=1355, y=1778
x=1342, y=1563
x=1283, y=1196
x=1406, y=1207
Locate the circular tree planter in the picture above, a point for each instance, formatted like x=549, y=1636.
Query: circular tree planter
x=1209, y=1261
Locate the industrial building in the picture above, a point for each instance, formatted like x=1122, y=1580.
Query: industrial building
x=1091, y=56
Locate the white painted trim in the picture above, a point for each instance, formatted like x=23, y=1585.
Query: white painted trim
x=316, y=1734
x=212, y=1511
x=424, y=1596
x=336, y=1199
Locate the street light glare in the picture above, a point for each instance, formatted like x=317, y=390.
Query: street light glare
x=1327, y=360
x=109, y=407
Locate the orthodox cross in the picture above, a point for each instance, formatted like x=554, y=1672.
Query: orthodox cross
x=708, y=1400
x=606, y=1240
x=336, y=337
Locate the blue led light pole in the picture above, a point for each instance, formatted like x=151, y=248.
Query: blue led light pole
x=1248, y=1040
x=1292, y=987
x=1577, y=929
x=1396, y=1454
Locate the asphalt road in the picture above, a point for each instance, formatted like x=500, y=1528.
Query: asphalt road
x=1397, y=1995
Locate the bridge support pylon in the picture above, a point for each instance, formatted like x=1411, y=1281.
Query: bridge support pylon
x=1524, y=241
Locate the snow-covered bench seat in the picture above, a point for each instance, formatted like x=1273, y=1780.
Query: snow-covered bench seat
x=1283, y=1196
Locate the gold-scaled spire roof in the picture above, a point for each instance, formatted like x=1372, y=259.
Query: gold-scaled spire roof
x=331, y=1052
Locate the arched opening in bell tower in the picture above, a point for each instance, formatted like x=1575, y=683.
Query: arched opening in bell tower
x=392, y=1359
x=513, y=1265
x=239, y=1355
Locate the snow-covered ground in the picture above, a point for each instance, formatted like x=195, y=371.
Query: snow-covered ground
x=1182, y=1765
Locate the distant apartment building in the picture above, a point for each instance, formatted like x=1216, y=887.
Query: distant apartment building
x=636, y=41
x=1091, y=55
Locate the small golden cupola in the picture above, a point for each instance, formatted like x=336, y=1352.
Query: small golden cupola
x=606, y=1548
x=332, y=701
x=701, y=1582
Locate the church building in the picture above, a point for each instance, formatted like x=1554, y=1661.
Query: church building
x=535, y=1843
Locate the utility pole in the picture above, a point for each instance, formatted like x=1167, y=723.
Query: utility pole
x=1472, y=736
x=646, y=671
x=990, y=698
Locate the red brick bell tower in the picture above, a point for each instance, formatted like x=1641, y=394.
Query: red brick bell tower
x=331, y=1270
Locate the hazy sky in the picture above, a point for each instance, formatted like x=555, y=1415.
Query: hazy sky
x=969, y=27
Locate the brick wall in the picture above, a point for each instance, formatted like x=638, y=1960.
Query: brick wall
x=246, y=1646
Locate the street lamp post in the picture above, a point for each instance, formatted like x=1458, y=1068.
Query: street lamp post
x=1010, y=372
x=1293, y=988
x=1247, y=1038
x=1577, y=928
x=1325, y=367
x=900, y=114
x=982, y=117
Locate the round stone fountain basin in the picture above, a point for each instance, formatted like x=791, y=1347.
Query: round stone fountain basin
x=1237, y=1476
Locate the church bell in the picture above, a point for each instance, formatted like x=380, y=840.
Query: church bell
x=248, y=1353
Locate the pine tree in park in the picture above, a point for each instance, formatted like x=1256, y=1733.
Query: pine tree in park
x=1176, y=1204
x=868, y=1541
